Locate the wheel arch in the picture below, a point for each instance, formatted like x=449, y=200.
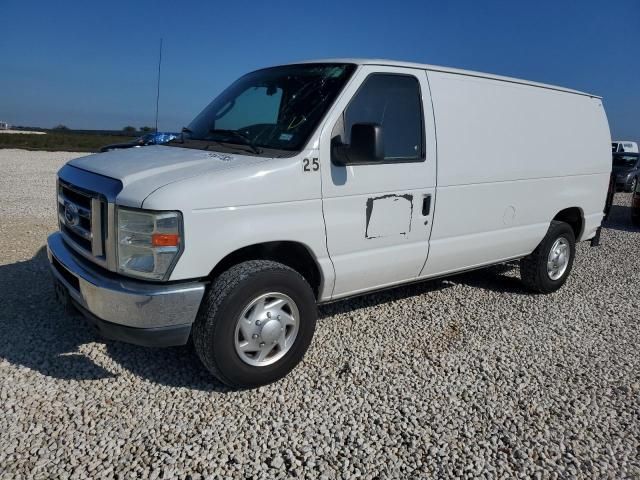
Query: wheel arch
x=293, y=254
x=574, y=216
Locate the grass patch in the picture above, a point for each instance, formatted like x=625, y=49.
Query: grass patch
x=60, y=141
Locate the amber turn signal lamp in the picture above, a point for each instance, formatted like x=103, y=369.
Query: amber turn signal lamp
x=165, y=240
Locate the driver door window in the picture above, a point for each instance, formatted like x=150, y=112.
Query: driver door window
x=394, y=102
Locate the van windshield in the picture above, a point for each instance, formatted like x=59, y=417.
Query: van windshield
x=272, y=109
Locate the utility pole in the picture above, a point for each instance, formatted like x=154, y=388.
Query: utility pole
x=158, y=90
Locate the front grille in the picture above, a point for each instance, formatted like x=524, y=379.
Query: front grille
x=77, y=238
x=81, y=216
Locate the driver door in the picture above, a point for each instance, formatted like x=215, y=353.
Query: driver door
x=378, y=216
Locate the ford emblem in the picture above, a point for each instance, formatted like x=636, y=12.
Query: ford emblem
x=71, y=216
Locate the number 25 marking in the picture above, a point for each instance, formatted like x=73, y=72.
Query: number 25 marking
x=309, y=166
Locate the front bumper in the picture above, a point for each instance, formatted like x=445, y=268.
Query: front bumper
x=133, y=311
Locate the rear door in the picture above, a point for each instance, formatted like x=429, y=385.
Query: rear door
x=378, y=216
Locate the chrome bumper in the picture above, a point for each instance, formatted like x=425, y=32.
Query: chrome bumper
x=119, y=304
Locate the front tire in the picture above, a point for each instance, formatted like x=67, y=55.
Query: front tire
x=546, y=269
x=255, y=323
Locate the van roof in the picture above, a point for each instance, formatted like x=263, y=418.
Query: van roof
x=436, y=68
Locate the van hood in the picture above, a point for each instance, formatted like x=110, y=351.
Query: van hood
x=145, y=169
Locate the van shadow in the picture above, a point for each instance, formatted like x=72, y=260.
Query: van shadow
x=37, y=333
x=34, y=331
x=385, y=296
x=620, y=219
x=495, y=278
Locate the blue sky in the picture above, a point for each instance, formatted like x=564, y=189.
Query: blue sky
x=93, y=64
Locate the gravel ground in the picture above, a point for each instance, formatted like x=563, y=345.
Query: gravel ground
x=468, y=377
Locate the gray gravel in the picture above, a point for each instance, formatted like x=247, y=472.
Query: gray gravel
x=469, y=377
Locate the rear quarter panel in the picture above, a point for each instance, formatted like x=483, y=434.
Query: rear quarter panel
x=510, y=157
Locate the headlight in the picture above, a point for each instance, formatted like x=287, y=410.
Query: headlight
x=149, y=243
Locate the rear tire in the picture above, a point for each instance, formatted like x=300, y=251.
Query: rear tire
x=248, y=308
x=546, y=269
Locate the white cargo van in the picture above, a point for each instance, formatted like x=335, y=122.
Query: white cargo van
x=307, y=183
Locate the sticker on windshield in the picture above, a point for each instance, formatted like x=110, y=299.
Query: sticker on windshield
x=286, y=136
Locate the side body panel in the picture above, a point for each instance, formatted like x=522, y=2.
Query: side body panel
x=377, y=235
x=510, y=157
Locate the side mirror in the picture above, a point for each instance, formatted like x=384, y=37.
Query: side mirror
x=366, y=146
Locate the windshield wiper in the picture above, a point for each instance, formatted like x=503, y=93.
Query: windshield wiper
x=238, y=135
x=245, y=140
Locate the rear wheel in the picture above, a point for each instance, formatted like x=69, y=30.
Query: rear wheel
x=255, y=323
x=549, y=265
x=634, y=184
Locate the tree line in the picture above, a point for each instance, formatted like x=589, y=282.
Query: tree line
x=127, y=129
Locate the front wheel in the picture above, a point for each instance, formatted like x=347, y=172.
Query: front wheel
x=634, y=184
x=546, y=269
x=255, y=323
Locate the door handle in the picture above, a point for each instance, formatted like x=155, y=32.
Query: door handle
x=426, y=205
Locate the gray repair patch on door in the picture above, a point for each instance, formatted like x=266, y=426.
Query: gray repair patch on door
x=388, y=215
